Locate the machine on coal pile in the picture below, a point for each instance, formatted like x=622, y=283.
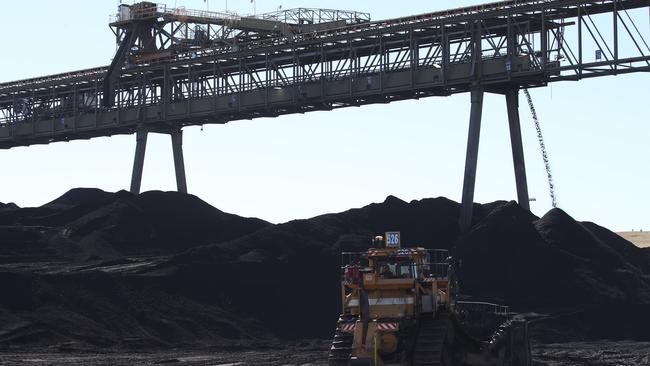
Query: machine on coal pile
x=399, y=308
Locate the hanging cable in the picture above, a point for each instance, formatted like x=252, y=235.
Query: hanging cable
x=542, y=147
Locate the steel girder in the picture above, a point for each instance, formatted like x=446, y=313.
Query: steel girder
x=498, y=46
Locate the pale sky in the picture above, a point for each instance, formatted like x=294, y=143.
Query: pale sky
x=299, y=166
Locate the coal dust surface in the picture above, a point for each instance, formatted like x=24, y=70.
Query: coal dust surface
x=94, y=271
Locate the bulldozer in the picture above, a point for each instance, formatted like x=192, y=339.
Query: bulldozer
x=399, y=307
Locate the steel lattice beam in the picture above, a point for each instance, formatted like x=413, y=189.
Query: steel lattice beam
x=522, y=44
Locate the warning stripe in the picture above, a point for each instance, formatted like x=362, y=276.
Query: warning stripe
x=407, y=251
x=349, y=327
x=431, y=279
x=387, y=326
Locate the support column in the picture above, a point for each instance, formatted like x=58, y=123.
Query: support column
x=471, y=159
x=176, y=135
x=179, y=163
x=138, y=163
x=512, y=101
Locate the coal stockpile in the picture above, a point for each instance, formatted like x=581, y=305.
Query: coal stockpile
x=92, y=224
x=551, y=262
x=166, y=269
x=8, y=206
x=591, y=283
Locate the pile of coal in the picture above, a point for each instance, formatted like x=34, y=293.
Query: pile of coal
x=8, y=206
x=588, y=282
x=553, y=262
x=167, y=269
x=90, y=223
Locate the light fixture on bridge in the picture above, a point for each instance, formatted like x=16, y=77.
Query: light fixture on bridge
x=599, y=54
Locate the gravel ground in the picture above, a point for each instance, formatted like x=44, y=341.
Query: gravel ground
x=593, y=354
x=301, y=357
x=567, y=354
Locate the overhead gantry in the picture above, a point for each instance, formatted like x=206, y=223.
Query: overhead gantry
x=149, y=33
x=177, y=68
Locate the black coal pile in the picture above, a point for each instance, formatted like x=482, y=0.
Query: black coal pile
x=287, y=275
x=593, y=282
x=8, y=206
x=552, y=262
x=90, y=223
x=167, y=269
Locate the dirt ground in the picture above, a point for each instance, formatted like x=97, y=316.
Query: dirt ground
x=640, y=238
x=593, y=354
x=294, y=357
x=566, y=354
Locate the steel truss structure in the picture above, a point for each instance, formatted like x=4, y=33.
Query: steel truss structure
x=162, y=32
x=498, y=47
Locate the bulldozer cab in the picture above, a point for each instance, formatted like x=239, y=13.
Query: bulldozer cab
x=395, y=268
x=398, y=281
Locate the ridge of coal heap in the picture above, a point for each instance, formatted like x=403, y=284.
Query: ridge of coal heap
x=90, y=223
x=553, y=261
x=163, y=268
x=8, y=206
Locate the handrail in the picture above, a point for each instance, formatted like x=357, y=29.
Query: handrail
x=419, y=249
x=319, y=35
x=318, y=15
x=157, y=10
x=68, y=75
x=351, y=30
x=497, y=309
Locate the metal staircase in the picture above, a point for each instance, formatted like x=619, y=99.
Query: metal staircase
x=431, y=339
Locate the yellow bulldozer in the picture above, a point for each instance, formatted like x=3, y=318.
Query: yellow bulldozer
x=399, y=308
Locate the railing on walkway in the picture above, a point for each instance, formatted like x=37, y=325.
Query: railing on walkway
x=315, y=16
x=435, y=266
x=150, y=10
x=483, y=307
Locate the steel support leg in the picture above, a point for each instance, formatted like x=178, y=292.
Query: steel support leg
x=138, y=163
x=471, y=159
x=179, y=164
x=140, y=149
x=512, y=101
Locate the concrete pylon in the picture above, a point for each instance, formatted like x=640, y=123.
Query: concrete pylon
x=176, y=135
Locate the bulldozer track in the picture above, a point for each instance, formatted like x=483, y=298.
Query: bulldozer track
x=341, y=349
x=431, y=339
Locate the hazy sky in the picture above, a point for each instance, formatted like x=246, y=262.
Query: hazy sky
x=300, y=166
